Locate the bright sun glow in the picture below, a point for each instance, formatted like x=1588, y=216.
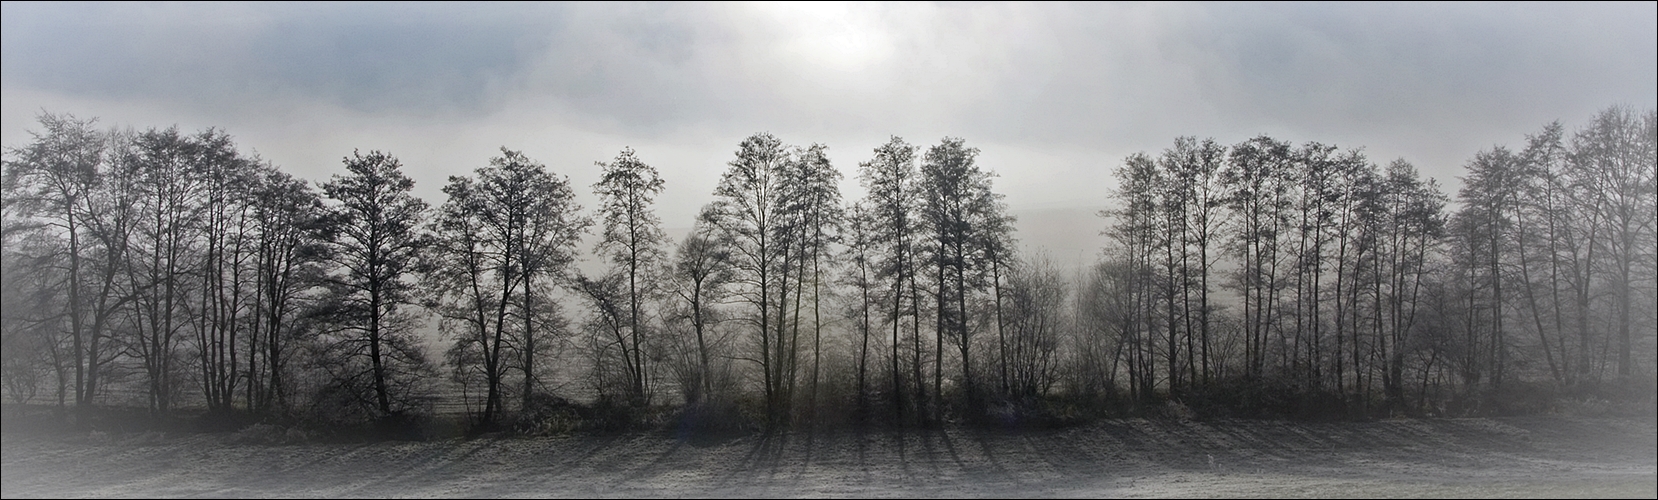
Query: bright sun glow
x=832, y=36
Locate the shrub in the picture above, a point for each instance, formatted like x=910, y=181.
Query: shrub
x=547, y=414
x=1033, y=413
x=713, y=419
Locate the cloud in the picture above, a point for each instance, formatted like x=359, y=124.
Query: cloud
x=1050, y=92
x=417, y=59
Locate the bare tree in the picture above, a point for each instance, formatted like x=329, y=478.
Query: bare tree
x=225, y=241
x=31, y=291
x=168, y=184
x=1037, y=298
x=1256, y=176
x=61, y=176
x=1488, y=194
x=1612, y=161
x=632, y=242
x=494, y=237
x=966, y=221
x=813, y=200
x=1415, y=224
x=698, y=277
x=1135, y=233
x=858, y=230
x=374, y=227
x=744, y=215
x=892, y=198
x=287, y=267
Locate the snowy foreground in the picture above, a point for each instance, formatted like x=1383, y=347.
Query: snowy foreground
x=1484, y=457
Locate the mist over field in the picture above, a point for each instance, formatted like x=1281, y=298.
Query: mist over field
x=828, y=249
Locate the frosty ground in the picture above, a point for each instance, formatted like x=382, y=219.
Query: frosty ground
x=1539, y=456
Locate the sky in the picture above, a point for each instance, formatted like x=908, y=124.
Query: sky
x=1054, y=95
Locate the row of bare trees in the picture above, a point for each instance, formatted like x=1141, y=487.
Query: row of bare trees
x=1324, y=252
x=1352, y=280
x=925, y=245
x=1552, y=254
x=176, y=264
x=178, y=267
x=172, y=251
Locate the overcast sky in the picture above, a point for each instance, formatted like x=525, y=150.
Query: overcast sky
x=1054, y=95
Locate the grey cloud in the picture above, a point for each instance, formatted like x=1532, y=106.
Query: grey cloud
x=1351, y=64
x=1054, y=94
x=1245, y=68
x=404, y=58
x=1117, y=77
x=634, y=69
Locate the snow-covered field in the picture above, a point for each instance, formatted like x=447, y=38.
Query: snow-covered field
x=1546, y=456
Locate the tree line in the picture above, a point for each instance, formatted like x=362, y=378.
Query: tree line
x=1311, y=270
x=1262, y=277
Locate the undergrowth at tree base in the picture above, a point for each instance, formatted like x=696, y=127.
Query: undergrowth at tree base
x=549, y=415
